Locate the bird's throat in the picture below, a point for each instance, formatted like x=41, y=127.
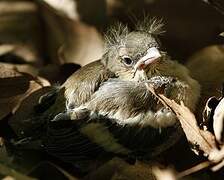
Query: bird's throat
x=140, y=75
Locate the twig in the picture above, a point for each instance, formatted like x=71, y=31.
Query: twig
x=194, y=169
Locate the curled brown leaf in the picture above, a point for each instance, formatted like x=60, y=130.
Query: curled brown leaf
x=204, y=139
x=196, y=136
x=15, y=87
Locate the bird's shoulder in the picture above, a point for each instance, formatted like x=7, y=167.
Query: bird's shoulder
x=84, y=82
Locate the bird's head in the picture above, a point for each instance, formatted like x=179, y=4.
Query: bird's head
x=128, y=53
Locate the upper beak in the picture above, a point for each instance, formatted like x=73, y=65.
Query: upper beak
x=152, y=56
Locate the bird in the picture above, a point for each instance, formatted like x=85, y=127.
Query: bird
x=106, y=105
x=128, y=56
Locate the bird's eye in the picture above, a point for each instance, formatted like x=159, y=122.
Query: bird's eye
x=127, y=61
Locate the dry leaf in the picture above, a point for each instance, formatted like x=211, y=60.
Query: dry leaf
x=23, y=121
x=86, y=45
x=204, y=140
x=23, y=68
x=24, y=40
x=12, y=84
x=65, y=7
x=58, y=74
x=71, y=41
x=19, y=54
x=14, y=87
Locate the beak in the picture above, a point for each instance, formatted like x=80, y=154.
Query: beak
x=151, y=57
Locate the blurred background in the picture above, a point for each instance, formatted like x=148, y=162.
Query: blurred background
x=44, y=32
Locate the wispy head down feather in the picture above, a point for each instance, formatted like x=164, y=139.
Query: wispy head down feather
x=116, y=35
x=152, y=26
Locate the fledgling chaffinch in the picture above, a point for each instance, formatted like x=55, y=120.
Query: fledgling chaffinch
x=111, y=106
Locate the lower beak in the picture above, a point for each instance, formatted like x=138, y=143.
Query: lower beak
x=151, y=57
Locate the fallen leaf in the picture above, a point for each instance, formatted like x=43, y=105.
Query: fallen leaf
x=23, y=68
x=23, y=40
x=58, y=73
x=203, y=140
x=14, y=87
x=67, y=8
x=71, y=41
x=23, y=121
x=19, y=54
